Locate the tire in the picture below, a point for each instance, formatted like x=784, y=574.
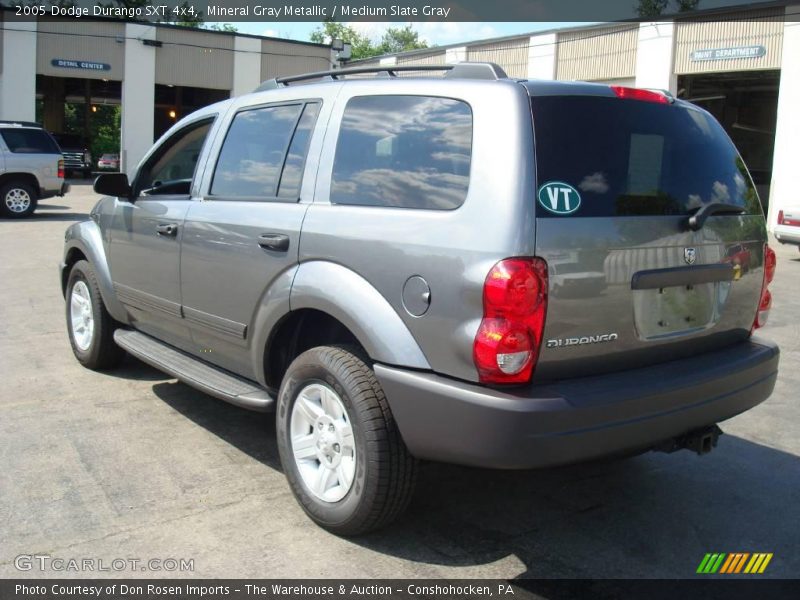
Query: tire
x=17, y=200
x=382, y=473
x=92, y=339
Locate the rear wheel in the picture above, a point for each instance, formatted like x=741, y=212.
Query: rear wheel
x=17, y=200
x=340, y=448
x=90, y=327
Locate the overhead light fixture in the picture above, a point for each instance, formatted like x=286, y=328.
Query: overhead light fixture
x=172, y=114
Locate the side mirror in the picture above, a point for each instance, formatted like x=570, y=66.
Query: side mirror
x=113, y=184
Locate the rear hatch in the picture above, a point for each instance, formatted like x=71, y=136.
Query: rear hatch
x=630, y=282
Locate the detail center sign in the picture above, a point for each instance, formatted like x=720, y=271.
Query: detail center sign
x=728, y=53
x=88, y=65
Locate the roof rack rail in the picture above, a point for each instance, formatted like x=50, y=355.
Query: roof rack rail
x=20, y=123
x=462, y=70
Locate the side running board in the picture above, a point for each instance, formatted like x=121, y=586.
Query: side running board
x=194, y=372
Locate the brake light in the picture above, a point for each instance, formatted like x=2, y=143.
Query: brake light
x=629, y=93
x=61, y=168
x=780, y=217
x=507, y=344
x=765, y=303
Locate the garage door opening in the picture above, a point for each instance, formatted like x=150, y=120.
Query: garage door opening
x=83, y=115
x=746, y=103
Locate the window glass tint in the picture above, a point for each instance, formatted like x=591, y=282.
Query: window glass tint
x=29, y=141
x=403, y=151
x=629, y=157
x=252, y=155
x=293, y=169
x=171, y=169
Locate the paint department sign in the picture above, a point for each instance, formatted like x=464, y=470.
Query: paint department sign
x=64, y=63
x=728, y=53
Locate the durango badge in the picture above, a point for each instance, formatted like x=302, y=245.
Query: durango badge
x=559, y=198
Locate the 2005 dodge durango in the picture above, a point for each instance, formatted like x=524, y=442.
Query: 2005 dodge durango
x=461, y=267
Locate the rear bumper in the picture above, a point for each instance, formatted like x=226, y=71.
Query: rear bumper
x=61, y=189
x=787, y=234
x=573, y=420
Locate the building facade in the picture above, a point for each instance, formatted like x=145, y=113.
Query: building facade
x=157, y=73
x=742, y=66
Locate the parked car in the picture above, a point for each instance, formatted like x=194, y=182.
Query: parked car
x=369, y=259
x=77, y=157
x=787, y=231
x=31, y=168
x=108, y=162
x=739, y=256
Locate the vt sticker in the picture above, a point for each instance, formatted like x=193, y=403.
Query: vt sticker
x=559, y=198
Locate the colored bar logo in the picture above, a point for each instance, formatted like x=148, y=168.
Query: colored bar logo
x=734, y=563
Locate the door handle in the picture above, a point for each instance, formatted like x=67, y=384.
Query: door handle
x=170, y=229
x=274, y=241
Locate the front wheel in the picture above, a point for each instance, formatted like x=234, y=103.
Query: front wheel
x=90, y=327
x=17, y=200
x=339, y=445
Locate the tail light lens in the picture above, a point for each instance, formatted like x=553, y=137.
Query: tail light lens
x=507, y=344
x=780, y=217
x=765, y=303
x=61, y=168
x=629, y=93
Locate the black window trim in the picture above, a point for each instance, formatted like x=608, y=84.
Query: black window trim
x=210, y=119
x=303, y=103
x=419, y=95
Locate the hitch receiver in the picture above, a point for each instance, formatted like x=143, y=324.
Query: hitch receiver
x=700, y=441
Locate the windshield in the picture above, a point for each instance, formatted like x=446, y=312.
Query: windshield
x=629, y=157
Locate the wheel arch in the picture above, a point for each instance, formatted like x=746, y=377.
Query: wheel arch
x=327, y=303
x=28, y=178
x=83, y=241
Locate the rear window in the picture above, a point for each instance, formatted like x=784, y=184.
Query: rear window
x=29, y=141
x=629, y=158
x=403, y=152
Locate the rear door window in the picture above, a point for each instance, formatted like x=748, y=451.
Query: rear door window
x=632, y=158
x=252, y=157
x=29, y=141
x=403, y=152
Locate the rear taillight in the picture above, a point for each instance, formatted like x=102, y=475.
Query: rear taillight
x=61, y=168
x=765, y=302
x=507, y=344
x=780, y=217
x=630, y=93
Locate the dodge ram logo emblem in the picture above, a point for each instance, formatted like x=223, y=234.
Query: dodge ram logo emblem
x=689, y=255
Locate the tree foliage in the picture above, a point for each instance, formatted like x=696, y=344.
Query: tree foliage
x=394, y=39
x=655, y=8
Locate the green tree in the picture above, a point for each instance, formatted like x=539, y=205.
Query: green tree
x=221, y=27
x=655, y=8
x=400, y=39
x=362, y=46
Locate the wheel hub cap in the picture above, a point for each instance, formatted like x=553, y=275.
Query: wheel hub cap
x=80, y=316
x=18, y=200
x=323, y=444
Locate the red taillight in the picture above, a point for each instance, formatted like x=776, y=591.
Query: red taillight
x=780, y=217
x=765, y=303
x=514, y=307
x=61, y=169
x=629, y=93
x=770, y=262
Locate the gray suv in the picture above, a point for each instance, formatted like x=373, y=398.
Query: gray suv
x=374, y=259
x=31, y=168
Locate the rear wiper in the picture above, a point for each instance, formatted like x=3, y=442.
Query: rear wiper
x=698, y=219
